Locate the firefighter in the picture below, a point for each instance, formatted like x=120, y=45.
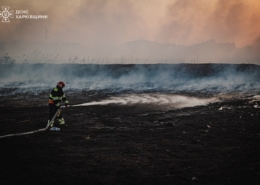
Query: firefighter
x=56, y=97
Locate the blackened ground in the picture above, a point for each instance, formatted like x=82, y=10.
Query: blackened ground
x=138, y=144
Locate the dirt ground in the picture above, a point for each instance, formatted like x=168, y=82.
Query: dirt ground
x=123, y=144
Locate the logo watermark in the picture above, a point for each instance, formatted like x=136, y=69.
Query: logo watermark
x=18, y=14
x=6, y=14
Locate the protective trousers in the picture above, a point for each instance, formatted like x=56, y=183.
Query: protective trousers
x=52, y=110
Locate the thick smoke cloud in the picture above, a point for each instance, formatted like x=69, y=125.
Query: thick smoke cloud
x=100, y=26
x=109, y=22
x=191, y=22
x=179, y=78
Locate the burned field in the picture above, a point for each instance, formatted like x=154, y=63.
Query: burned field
x=138, y=143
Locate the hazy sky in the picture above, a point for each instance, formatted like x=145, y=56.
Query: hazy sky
x=113, y=22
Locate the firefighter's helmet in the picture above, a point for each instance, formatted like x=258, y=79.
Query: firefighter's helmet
x=61, y=84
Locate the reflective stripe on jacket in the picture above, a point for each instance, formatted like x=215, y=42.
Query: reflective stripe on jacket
x=57, y=95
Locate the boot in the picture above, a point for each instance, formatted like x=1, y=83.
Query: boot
x=61, y=121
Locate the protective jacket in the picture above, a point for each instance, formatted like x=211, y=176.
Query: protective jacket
x=57, y=95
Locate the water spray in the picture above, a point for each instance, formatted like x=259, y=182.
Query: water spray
x=174, y=101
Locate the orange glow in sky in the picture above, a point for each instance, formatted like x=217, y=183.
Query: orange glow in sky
x=113, y=22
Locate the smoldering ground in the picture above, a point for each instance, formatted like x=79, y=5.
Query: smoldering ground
x=126, y=135
x=164, y=86
x=208, y=78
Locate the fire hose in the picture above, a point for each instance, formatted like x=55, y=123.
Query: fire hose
x=39, y=130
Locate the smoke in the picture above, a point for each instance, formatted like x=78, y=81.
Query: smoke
x=100, y=29
x=191, y=22
x=105, y=23
x=166, y=100
x=177, y=78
